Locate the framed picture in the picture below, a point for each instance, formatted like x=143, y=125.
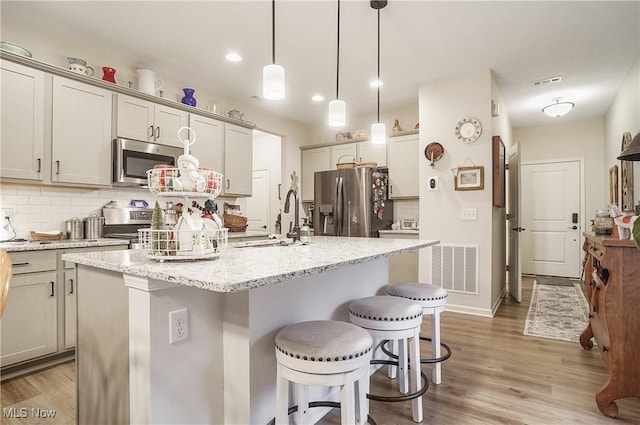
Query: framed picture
x=470, y=178
x=613, y=185
x=498, y=172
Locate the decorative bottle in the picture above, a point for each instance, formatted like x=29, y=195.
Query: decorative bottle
x=188, y=98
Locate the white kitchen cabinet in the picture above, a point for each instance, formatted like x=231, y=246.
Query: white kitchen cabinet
x=209, y=144
x=22, y=122
x=342, y=153
x=29, y=323
x=238, y=160
x=403, y=163
x=81, y=125
x=369, y=152
x=140, y=119
x=317, y=159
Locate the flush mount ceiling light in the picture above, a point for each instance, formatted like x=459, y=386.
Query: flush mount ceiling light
x=378, y=130
x=632, y=152
x=273, y=75
x=337, y=107
x=558, y=109
x=233, y=57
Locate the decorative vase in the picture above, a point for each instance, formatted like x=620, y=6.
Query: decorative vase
x=188, y=98
x=109, y=74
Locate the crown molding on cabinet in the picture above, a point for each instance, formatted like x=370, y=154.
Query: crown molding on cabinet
x=359, y=139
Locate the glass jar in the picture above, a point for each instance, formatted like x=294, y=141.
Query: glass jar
x=603, y=223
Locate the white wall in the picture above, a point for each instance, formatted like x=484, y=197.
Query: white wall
x=623, y=115
x=442, y=104
x=52, y=49
x=571, y=139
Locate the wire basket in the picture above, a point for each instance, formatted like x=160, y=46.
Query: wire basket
x=172, y=181
x=235, y=223
x=167, y=244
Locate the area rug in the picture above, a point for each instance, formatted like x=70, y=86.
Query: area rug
x=557, y=311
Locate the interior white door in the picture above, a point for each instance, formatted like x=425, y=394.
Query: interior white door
x=258, y=202
x=514, y=277
x=550, y=214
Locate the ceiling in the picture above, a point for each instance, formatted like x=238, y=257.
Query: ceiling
x=591, y=45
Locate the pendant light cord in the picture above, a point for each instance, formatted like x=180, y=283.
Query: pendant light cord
x=378, y=65
x=338, y=57
x=273, y=31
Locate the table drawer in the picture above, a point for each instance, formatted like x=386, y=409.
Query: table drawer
x=29, y=262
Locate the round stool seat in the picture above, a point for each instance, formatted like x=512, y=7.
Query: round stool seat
x=306, y=346
x=426, y=294
x=385, y=312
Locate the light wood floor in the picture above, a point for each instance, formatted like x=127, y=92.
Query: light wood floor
x=495, y=376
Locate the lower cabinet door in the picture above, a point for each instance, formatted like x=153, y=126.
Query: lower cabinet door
x=29, y=322
x=70, y=309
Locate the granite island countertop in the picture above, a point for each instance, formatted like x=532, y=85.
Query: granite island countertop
x=61, y=244
x=240, y=269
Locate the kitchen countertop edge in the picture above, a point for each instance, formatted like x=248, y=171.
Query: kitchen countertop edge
x=61, y=244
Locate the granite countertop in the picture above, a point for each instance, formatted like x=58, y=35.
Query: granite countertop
x=248, y=234
x=245, y=268
x=61, y=244
x=401, y=231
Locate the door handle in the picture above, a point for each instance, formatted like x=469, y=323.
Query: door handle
x=52, y=293
x=573, y=227
x=39, y=165
x=71, y=282
x=157, y=136
x=228, y=182
x=57, y=167
x=150, y=131
x=518, y=229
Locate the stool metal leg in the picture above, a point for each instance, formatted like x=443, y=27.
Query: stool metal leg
x=436, y=373
x=282, y=397
x=414, y=353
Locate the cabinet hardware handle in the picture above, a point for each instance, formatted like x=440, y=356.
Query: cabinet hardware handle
x=150, y=131
x=157, y=136
x=39, y=165
x=390, y=189
x=52, y=293
x=228, y=182
x=71, y=282
x=57, y=167
x=20, y=264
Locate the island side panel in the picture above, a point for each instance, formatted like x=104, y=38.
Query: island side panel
x=325, y=296
x=102, y=352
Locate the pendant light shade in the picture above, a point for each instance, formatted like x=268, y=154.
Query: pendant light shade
x=273, y=82
x=632, y=152
x=337, y=107
x=337, y=113
x=558, y=109
x=378, y=130
x=273, y=75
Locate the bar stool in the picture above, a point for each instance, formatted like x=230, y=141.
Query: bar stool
x=391, y=318
x=433, y=300
x=323, y=353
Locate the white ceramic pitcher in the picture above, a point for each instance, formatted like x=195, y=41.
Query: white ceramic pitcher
x=147, y=81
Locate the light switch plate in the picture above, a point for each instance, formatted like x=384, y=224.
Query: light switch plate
x=469, y=214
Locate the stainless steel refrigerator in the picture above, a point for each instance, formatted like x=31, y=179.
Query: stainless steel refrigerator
x=352, y=202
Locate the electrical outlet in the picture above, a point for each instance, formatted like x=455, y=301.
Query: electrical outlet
x=178, y=325
x=469, y=214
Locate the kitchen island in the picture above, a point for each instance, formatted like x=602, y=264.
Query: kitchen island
x=224, y=371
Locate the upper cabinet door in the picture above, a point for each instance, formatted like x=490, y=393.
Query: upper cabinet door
x=167, y=122
x=343, y=153
x=209, y=144
x=238, y=160
x=22, y=122
x=404, y=176
x=317, y=159
x=369, y=152
x=135, y=118
x=81, y=125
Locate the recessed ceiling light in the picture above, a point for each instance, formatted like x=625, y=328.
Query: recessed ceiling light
x=376, y=84
x=317, y=98
x=233, y=57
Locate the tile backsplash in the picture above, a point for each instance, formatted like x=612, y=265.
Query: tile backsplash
x=406, y=209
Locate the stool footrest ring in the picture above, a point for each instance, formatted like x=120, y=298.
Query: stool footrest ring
x=323, y=403
x=406, y=397
x=385, y=350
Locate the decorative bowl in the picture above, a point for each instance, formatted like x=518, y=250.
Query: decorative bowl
x=14, y=48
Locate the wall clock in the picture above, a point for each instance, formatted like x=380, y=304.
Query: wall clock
x=468, y=130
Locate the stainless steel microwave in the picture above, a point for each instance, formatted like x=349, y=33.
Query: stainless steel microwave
x=132, y=159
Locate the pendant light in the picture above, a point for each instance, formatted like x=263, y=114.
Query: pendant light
x=273, y=75
x=337, y=107
x=378, y=130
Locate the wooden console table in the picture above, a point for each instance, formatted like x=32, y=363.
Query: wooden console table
x=612, y=286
